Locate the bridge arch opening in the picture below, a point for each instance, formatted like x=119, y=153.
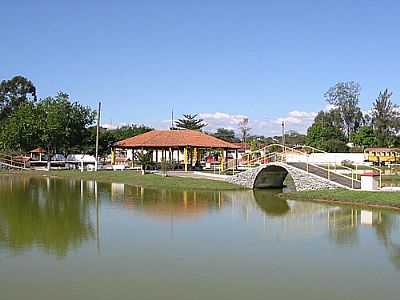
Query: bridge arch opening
x=270, y=203
x=271, y=176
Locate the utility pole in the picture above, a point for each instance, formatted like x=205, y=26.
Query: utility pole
x=172, y=119
x=97, y=137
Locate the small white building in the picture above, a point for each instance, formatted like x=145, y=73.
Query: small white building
x=80, y=160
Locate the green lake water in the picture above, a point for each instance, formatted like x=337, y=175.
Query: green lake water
x=67, y=239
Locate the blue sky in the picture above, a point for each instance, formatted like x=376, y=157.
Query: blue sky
x=267, y=60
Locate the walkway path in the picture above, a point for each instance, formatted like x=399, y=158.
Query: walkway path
x=344, y=181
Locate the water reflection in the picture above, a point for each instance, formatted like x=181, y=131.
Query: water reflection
x=345, y=225
x=191, y=204
x=341, y=224
x=42, y=213
x=270, y=203
x=166, y=203
x=57, y=216
x=386, y=230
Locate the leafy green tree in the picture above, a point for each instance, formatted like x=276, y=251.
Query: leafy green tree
x=364, y=137
x=324, y=135
x=262, y=140
x=63, y=124
x=107, y=137
x=191, y=122
x=345, y=97
x=294, y=138
x=14, y=92
x=332, y=118
x=125, y=132
x=226, y=135
x=385, y=119
x=335, y=146
x=254, y=145
x=20, y=131
x=144, y=159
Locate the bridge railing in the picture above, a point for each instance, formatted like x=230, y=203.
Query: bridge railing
x=329, y=167
x=278, y=152
x=355, y=168
x=233, y=165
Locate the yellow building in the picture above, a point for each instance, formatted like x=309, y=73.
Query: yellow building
x=382, y=156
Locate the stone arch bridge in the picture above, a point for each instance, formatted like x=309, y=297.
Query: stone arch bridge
x=273, y=175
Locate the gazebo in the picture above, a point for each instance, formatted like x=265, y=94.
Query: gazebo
x=181, y=146
x=37, y=153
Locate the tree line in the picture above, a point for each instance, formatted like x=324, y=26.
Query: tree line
x=345, y=126
x=61, y=125
x=341, y=128
x=194, y=122
x=55, y=123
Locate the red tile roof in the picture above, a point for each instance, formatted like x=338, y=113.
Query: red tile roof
x=382, y=149
x=174, y=138
x=242, y=146
x=38, y=150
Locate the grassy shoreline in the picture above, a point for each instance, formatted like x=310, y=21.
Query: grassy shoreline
x=389, y=200
x=136, y=179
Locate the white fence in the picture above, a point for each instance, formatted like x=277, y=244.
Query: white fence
x=324, y=158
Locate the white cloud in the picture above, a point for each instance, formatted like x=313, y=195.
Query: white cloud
x=113, y=126
x=297, y=120
x=298, y=117
x=221, y=120
x=294, y=120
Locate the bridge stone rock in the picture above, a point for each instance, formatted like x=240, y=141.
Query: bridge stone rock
x=303, y=181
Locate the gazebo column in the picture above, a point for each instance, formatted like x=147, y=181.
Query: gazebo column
x=226, y=158
x=236, y=159
x=194, y=159
x=222, y=167
x=190, y=155
x=185, y=158
x=113, y=156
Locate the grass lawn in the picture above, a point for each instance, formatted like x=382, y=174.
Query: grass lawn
x=135, y=178
x=384, y=199
x=391, y=180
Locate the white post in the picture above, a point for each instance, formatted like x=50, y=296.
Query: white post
x=97, y=137
x=329, y=171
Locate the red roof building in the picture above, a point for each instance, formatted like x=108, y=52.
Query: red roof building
x=37, y=153
x=38, y=150
x=182, y=146
x=174, y=139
